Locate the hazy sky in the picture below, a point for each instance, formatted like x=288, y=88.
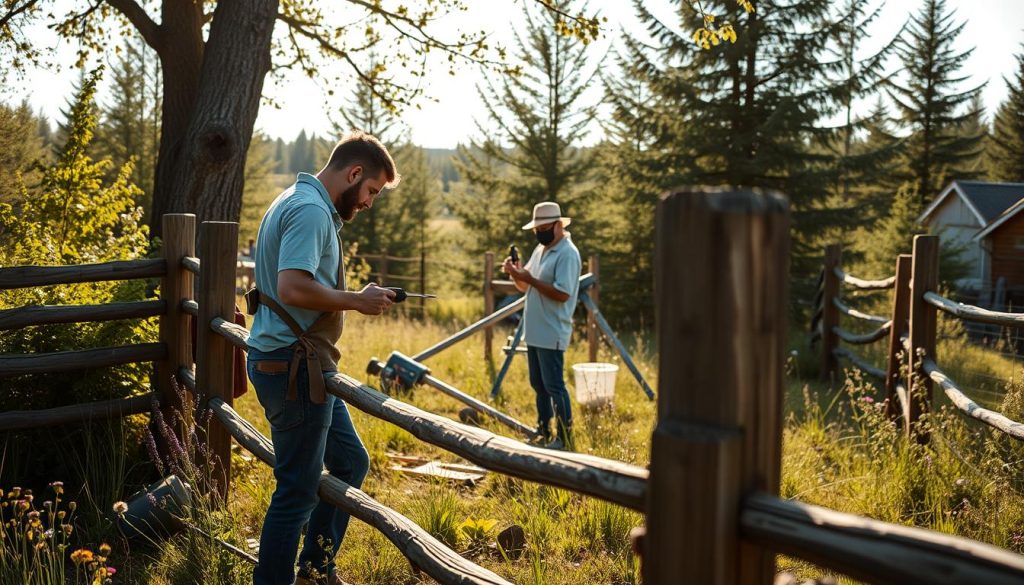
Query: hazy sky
x=994, y=27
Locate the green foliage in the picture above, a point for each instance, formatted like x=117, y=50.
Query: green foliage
x=74, y=216
x=20, y=148
x=541, y=116
x=931, y=108
x=129, y=130
x=1007, y=147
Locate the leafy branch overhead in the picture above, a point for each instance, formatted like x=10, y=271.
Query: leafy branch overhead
x=711, y=34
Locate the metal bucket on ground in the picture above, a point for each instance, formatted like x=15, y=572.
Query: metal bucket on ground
x=151, y=511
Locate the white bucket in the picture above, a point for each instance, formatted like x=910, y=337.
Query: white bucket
x=595, y=383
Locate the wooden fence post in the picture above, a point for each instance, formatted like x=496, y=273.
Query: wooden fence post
x=924, y=278
x=214, y=354
x=179, y=240
x=829, y=313
x=488, y=303
x=900, y=313
x=720, y=292
x=593, y=335
x=423, y=282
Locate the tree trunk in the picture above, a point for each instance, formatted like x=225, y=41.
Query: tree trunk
x=208, y=127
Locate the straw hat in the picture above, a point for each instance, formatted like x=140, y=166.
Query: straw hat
x=545, y=213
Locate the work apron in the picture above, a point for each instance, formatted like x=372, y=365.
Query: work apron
x=317, y=344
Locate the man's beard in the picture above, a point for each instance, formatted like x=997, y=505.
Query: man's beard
x=348, y=203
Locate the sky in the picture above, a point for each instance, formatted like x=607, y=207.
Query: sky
x=445, y=116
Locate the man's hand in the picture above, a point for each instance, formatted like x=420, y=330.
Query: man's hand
x=516, y=271
x=374, y=300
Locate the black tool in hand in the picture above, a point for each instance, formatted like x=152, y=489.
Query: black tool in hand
x=401, y=294
x=513, y=253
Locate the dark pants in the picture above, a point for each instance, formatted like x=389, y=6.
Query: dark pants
x=548, y=380
x=307, y=437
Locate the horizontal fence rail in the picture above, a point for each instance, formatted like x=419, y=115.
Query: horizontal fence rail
x=191, y=307
x=612, y=481
x=861, y=363
x=864, y=338
x=48, y=315
x=972, y=313
x=424, y=551
x=63, y=361
x=968, y=406
x=854, y=313
x=16, y=420
x=27, y=276
x=874, y=551
x=861, y=284
x=191, y=263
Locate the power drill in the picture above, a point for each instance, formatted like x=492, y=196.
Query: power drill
x=401, y=294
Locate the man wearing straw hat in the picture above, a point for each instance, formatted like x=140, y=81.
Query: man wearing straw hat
x=550, y=280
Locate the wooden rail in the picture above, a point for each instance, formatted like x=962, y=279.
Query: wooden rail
x=861, y=284
x=860, y=362
x=191, y=264
x=874, y=551
x=864, y=338
x=47, y=315
x=28, y=276
x=613, y=481
x=424, y=551
x=854, y=313
x=972, y=313
x=968, y=406
x=16, y=420
x=63, y=361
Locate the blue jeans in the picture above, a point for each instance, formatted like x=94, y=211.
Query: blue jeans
x=307, y=437
x=548, y=381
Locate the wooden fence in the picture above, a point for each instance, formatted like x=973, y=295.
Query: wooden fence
x=710, y=495
x=909, y=329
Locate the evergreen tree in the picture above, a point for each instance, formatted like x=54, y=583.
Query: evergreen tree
x=130, y=128
x=930, y=106
x=20, y=147
x=1007, y=146
x=746, y=111
x=541, y=118
x=299, y=159
x=280, y=164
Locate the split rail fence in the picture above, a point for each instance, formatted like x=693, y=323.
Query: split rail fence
x=710, y=495
x=911, y=368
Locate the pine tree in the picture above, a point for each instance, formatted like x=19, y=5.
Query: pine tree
x=931, y=107
x=130, y=124
x=1007, y=146
x=298, y=159
x=280, y=164
x=20, y=147
x=541, y=116
x=747, y=111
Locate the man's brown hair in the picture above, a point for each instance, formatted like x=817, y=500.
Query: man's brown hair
x=360, y=148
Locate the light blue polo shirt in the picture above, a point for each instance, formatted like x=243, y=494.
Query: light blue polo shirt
x=548, y=323
x=298, y=232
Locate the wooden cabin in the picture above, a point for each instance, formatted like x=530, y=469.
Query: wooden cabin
x=984, y=220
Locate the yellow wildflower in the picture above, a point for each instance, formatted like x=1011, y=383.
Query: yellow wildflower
x=82, y=555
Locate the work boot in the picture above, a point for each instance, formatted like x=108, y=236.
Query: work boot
x=563, y=442
x=542, y=435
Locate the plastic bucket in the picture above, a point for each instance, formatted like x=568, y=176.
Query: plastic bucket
x=151, y=511
x=595, y=383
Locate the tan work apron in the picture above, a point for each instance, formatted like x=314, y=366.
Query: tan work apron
x=318, y=344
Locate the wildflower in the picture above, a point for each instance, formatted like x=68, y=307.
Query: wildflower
x=867, y=399
x=23, y=505
x=67, y=529
x=72, y=506
x=58, y=487
x=41, y=546
x=111, y=571
x=105, y=549
x=47, y=504
x=61, y=514
x=15, y=492
x=120, y=508
x=82, y=555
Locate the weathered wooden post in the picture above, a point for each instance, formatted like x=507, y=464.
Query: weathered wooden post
x=593, y=335
x=924, y=278
x=488, y=303
x=830, y=313
x=214, y=358
x=720, y=292
x=900, y=313
x=179, y=240
x=423, y=282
